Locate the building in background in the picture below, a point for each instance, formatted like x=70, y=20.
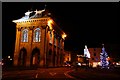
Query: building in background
x=39, y=40
x=67, y=56
x=94, y=60
x=82, y=60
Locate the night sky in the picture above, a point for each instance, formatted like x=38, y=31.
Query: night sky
x=84, y=23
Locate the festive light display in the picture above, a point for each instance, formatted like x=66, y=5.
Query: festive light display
x=103, y=58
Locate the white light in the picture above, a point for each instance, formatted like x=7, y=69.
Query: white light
x=10, y=58
x=28, y=13
x=39, y=12
x=117, y=63
x=86, y=52
x=79, y=64
x=2, y=63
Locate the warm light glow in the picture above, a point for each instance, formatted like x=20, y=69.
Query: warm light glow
x=64, y=35
x=50, y=24
x=50, y=21
x=8, y=56
x=99, y=63
x=108, y=58
x=95, y=64
x=11, y=59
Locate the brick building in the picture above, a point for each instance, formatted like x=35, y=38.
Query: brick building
x=94, y=59
x=39, y=40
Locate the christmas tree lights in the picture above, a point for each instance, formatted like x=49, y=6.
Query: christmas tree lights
x=103, y=58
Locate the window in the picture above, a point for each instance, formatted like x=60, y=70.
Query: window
x=96, y=59
x=25, y=35
x=50, y=41
x=37, y=35
x=94, y=54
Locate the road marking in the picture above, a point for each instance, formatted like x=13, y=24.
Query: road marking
x=52, y=73
x=66, y=74
x=36, y=76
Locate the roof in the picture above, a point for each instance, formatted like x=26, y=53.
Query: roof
x=38, y=14
x=31, y=15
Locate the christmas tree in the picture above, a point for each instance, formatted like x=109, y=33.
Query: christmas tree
x=103, y=58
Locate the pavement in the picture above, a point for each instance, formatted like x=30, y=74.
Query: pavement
x=39, y=74
x=93, y=74
x=62, y=73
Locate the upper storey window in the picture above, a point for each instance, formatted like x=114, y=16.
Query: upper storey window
x=50, y=41
x=25, y=35
x=37, y=35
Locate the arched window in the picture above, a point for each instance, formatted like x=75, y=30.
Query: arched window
x=37, y=35
x=50, y=41
x=25, y=35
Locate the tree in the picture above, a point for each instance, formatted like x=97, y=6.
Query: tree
x=103, y=58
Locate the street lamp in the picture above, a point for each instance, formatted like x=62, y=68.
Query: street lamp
x=64, y=35
x=8, y=56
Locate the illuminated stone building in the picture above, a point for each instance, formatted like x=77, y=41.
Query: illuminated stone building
x=39, y=40
x=67, y=56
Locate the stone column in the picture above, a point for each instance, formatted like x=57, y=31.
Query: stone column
x=29, y=48
x=43, y=54
x=17, y=45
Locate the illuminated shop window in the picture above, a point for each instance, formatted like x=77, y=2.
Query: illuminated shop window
x=37, y=35
x=50, y=41
x=25, y=35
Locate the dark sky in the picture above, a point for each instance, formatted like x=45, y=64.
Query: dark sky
x=84, y=23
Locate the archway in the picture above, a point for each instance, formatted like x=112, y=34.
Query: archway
x=49, y=58
x=54, y=58
x=22, y=57
x=35, y=57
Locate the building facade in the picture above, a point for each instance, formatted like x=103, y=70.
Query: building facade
x=94, y=59
x=67, y=56
x=39, y=41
